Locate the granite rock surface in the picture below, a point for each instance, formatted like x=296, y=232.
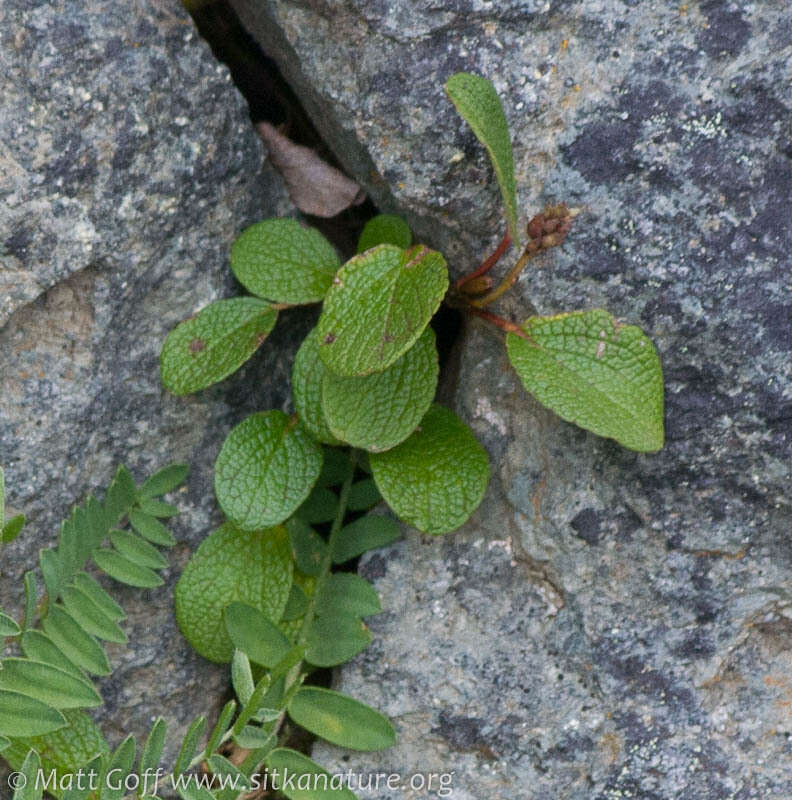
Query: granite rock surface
x=610, y=624
x=129, y=165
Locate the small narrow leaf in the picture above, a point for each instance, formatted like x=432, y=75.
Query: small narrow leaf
x=267, y=466
x=363, y=495
x=255, y=634
x=189, y=745
x=118, y=769
x=30, y=788
x=436, y=479
x=345, y=593
x=152, y=749
x=54, y=572
x=223, y=768
x=97, y=522
x=307, y=375
x=366, y=533
x=151, y=528
x=241, y=676
x=336, y=467
x=164, y=480
x=13, y=528
x=320, y=784
x=77, y=645
x=8, y=626
x=156, y=508
x=39, y=647
x=22, y=716
x=592, y=370
x=221, y=727
x=53, y=686
x=125, y=571
x=296, y=606
x=379, y=304
x=138, y=550
x=4, y=743
x=86, y=584
x=478, y=104
x=120, y=498
x=385, y=229
x=332, y=640
x=284, y=261
x=217, y=341
x=230, y=564
x=308, y=548
x=31, y=598
x=321, y=506
x=252, y=737
x=378, y=411
x=341, y=719
x=91, y=617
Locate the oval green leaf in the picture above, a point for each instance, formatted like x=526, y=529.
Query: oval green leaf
x=311, y=782
x=214, y=343
x=436, y=479
x=8, y=626
x=254, y=567
x=478, y=104
x=341, y=719
x=308, y=548
x=30, y=788
x=53, y=686
x=39, y=647
x=284, y=261
x=321, y=506
x=21, y=715
x=74, y=642
x=363, y=495
x=86, y=584
x=122, y=569
x=92, y=618
x=591, y=370
x=155, y=744
x=385, y=229
x=379, y=304
x=307, y=374
x=164, y=480
x=366, y=533
x=138, y=550
x=266, y=468
x=255, y=635
x=151, y=528
x=333, y=639
x=348, y=593
x=378, y=411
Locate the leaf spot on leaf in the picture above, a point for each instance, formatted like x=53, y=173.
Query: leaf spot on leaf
x=329, y=338
x=337, y=281
x=600, y=350
x=196, y=345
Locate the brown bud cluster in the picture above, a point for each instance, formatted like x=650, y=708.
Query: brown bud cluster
x=550, y=227
x=477, y=285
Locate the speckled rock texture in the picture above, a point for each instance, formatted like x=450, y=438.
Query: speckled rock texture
x=610, y=625
x=129, y=165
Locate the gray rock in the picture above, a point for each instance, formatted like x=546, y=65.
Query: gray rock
x=129, y=166
x=657, y=587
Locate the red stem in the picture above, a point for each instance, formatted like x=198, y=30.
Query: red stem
x=488, y=263
x=500, y=322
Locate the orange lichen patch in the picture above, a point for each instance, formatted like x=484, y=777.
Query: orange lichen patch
x=564, y=44
x=612, y=744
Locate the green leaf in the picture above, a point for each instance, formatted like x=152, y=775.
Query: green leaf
x=164, y=480
x=255, y=634
x=221, y=727
x=379, y=304
x=123, y=570
x=267, y=466
x=13, y=528
x=193, y=791
x=347, y=593
x=341, y=719
x=241, y=676
x=91, y=617
x=152, y=749
x=31, y=788
x=284, y=261
x=156, y=508
x=86, y=584
x=307, y=374
x=151, y=528
x=332, y=640
x=320, y=784
x=39, y=647
x=478, y=104
x=436, y=479
x=254, y=567
x=117, y=770
x=592, y=370
x=321, y=506
x=378, y=411
x=8, y=626
x=222, y=767
x=385, y=229
x=138, y=550
x=53, y=686
x=252, y=737
x=363, y=495
x=54, y=571
x=21, y=715
x=296, y=606
x=120, y=497
x=308, y=548
x=214, y=343
x=31, y=598
x=77, y=645
x=366, y=533
x=189, y=745
x=4, y=743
